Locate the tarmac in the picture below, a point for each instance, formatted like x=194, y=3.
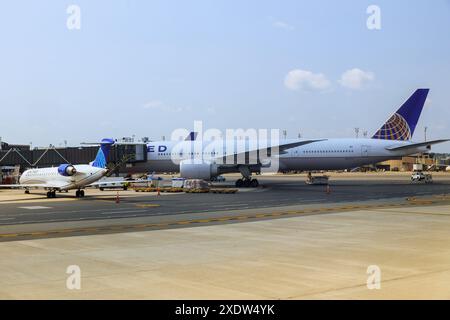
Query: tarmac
x=309, y=257
x=25, y=216
x=290, y=250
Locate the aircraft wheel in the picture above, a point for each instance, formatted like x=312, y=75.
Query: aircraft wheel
x=81, y=193
x=254, y=183
x=239, y=183
x=27, y=191
x=247, y=183
x=77, y=193
x=48, y=194
x=53, y=194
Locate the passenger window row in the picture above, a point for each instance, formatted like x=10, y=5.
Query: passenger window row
x=328, y=151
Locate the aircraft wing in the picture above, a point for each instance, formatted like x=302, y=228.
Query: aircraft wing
x=286, y=146
x=269, y=150
x=416, y=145
x=50, y=185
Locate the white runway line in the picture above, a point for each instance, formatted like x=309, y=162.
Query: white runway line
x=230, y=205
x=35, y=208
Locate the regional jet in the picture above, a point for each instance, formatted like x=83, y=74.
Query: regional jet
x=66, y=176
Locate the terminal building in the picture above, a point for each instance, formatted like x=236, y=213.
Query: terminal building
x=433, y=162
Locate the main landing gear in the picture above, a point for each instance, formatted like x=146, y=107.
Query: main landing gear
x=246, y=181
x=51, y=194
x=79, y=194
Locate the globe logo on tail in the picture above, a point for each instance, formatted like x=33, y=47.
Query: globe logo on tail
x=396, y=128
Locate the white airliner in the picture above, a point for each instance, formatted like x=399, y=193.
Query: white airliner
x=67, y=176
x=392, y=140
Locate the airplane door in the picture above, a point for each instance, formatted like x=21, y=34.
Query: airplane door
x=365, y=151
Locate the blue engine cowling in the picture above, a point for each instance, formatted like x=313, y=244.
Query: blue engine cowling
x=67, y=170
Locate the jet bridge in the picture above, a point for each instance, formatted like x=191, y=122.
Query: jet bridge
x=25, y=157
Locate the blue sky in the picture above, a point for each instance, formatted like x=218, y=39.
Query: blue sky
x=146, y=68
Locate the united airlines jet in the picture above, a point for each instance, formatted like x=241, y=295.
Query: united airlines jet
x=67, y=176
x=392, y=140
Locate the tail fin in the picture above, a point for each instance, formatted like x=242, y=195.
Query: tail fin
x=192, y=136
x=102, y=154
x=402, y=124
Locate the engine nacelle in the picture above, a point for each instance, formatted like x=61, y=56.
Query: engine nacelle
x=67, y=170
x=197, y=169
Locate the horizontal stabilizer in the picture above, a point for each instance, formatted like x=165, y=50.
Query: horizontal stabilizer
x=416, y=145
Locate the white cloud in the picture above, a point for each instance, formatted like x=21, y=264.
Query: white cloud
x=282, y=25
x=211, y=110
x=158, y=105
x=301, y=79
x=279, y=24
x=356, y=78
x=154, y=104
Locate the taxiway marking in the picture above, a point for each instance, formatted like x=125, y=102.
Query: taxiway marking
x=323, y=210
x=35, y=207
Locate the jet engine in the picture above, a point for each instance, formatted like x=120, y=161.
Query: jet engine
x=198, y=169
x=67, y=170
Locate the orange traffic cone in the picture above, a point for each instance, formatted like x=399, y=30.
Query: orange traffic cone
x=117, y=197
x=158, y=192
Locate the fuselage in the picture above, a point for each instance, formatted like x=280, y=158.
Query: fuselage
x=339, y=154
x=85, y=175
x=328, y=154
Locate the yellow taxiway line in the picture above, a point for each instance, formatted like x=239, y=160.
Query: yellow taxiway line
x=410, y=202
